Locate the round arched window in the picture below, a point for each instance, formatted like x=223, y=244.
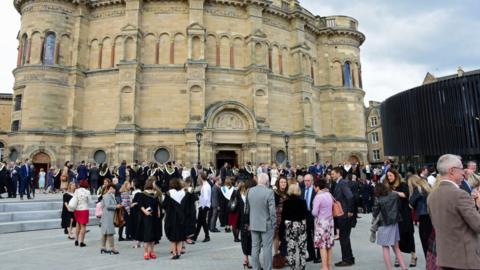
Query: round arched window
x=13, y=155
x=162, y=155
x=280, y=156
x=100, y=156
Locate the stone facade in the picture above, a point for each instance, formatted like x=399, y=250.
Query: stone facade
x=374, y=133
x=5, y=120
x=135, y=79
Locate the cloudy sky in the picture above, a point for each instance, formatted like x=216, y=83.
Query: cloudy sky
x=405, y=39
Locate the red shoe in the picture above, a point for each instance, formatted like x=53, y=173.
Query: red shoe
x=146, y=256
x=153, y=255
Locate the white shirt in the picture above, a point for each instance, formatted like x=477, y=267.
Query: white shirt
x=205, y=195
x=431, y=180
x=259, y=170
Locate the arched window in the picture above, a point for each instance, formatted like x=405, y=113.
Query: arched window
x=24, y=49
x=13, y=155
x=347, y=76
x=49, y=49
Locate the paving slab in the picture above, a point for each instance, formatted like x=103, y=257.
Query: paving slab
x=51, y=250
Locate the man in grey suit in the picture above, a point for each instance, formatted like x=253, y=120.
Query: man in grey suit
x=261, y=203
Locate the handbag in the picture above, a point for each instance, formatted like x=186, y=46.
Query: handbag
x=118, y=218
x=278, y=261
x=337, y=209
x=72, y=204
x=63, y=178
x=98, y=210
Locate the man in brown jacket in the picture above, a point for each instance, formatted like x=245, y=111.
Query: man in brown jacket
x=454, y=217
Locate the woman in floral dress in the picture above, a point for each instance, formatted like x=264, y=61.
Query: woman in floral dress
x=322, y=211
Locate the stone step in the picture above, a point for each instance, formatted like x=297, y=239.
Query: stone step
x=32, y=215
x=30, y=206
x=35, y=225
x=34, y=205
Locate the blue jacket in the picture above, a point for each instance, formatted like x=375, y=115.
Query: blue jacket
x=122, y=174
x=82, y=172
x=24, y=176
x=419, y=202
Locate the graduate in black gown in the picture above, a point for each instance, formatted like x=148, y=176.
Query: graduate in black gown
x=135, y=215
x=191, y=210
x=104, y=174
x=175, y=205
x=170, y=172
x=68, y=219
x=149, y=229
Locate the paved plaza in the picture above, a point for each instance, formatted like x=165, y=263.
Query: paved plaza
x=50, y=249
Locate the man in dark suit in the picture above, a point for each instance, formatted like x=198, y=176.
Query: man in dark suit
x=122, y=173
x=25, y=179
x=343, y=194
x=82, y=171
x=308, y=194
x=194, y=172
x=224, y=172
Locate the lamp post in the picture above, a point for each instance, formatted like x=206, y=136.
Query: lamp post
x=198, y=136
x=286, y=138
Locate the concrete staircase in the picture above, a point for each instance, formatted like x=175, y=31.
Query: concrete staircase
x=32, y=215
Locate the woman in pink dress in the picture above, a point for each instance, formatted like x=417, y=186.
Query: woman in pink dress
x=322, y=211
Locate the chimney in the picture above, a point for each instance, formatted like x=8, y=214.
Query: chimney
x=460, y=71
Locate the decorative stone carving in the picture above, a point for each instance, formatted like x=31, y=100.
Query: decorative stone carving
x=47, y=8
x=228, y=120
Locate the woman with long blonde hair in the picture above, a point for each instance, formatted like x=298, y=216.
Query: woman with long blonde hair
x=419, y=191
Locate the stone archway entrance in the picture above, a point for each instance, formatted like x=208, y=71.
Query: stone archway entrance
x=40, y=161
x=228, y=156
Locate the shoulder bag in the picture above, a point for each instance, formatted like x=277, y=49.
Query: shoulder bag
x=72, y=204
x=337, y=209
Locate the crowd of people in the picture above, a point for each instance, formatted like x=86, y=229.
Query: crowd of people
x=294, y=215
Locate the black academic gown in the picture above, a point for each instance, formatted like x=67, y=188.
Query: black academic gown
x=169, y=176
x=175, y=218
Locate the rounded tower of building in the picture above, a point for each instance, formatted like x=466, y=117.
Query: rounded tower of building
x=342, y=105
x=47, y=77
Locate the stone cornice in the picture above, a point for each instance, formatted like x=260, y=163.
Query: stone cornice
x=346, y=32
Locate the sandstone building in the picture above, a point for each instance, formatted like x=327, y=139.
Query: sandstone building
x=374, y=133
x=108, y=80
x=5, y=120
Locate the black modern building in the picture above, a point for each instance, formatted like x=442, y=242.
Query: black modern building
x=441, y=116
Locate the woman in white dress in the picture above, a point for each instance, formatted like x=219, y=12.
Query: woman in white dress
x=273, y=175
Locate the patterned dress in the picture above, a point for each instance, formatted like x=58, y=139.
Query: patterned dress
x=322, y=211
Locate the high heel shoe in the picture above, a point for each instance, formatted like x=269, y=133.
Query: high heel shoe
x=153, y=255
x=104, y=251
x=76, y=242
x=146, y=256
x=114, y=252
x=247, y=266
x=413, y=262
x=396, y=264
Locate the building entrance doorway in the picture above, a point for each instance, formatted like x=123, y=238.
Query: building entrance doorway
x=40, y=161
x=226, y=156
